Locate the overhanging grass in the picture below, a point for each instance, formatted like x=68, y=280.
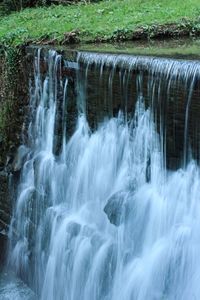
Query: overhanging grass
x=95, y=20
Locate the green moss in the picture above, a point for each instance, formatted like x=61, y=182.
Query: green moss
x=101, y=20
x=9, y=61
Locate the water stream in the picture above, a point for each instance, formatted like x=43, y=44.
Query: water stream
x=102, y=217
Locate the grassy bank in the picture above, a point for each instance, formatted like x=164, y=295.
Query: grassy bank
x=103, y=21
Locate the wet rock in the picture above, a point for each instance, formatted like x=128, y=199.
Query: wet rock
x=73, y=228
x=3, y=245
x=115, y=208
x=19, y=158
x=5, y=207
x=4, y=216
x=109, y=269
x=1, y=140
x=97, y=241
x=11, y=155
x=71, y=37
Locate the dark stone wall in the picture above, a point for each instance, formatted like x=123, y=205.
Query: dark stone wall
x=4, y=214
x=169, y=107
x=105, y=97
x=14, y=91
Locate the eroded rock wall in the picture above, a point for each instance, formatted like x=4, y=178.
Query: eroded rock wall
x=15, y=68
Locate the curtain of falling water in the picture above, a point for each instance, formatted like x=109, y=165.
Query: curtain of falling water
x=103, y=219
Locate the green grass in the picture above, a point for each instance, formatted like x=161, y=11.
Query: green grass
x=101, y=19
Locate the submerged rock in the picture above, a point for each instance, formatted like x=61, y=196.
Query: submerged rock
x=73, y=228
x=12, y=288
x=115, y=208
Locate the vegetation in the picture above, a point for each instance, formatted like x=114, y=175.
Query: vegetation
x=13, y=5
x=6, y=6
x=9, y=120
x=102, y=21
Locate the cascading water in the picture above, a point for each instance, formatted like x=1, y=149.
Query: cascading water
x=102, y=218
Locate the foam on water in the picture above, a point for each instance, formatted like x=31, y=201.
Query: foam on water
x=12, y=288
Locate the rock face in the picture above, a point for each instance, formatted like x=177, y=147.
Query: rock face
x=4, y=199
x=4, y=214
x=15, y=68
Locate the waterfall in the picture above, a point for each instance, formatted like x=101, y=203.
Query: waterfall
x=98, y=214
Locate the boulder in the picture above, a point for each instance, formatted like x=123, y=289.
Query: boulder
x=115, y=208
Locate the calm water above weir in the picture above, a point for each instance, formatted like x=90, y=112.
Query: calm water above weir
x=187, y=48
x=99, y=212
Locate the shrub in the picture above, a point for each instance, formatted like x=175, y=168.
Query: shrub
x=7, y=6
